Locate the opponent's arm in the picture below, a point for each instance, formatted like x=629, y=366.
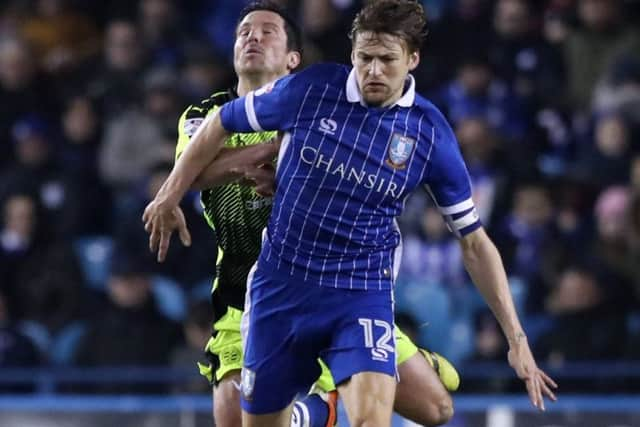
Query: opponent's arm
x=483, y=262
x=234, y=164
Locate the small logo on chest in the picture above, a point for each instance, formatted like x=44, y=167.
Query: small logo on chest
x=400, y=150
x=328, y=126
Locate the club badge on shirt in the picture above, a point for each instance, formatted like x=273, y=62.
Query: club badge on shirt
x=400, y=150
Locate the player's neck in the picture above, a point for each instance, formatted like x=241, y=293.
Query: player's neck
x=247, y=83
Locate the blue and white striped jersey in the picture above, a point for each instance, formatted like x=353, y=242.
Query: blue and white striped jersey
x=344, y=173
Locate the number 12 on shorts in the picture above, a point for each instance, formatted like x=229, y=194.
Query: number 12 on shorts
x=382, y=348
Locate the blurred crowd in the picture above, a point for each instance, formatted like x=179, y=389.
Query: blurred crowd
x=544, y=97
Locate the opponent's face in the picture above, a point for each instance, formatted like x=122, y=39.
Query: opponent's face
x=261, y=45
x=382, y=63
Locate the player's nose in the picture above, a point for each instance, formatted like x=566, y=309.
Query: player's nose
x=375, y=68
x=255, y=35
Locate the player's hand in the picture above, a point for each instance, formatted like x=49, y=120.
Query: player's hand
x=160, y=221
x=262, y=178
x=538, y=383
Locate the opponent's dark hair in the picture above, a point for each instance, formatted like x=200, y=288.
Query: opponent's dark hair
x=294, y=35
x=402, y=18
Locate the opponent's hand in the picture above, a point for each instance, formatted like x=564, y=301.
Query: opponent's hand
x=538, y=383
x=160, y=221
x=262, y=178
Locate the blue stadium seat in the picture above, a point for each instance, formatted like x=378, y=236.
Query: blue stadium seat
x=633, y=322
x=430, y=305
x=65, y=343
x=37, y=333
x=201, y=291
x=170, y=297
x=94, y=255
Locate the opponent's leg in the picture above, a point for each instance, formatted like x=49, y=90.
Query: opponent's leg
x=226, y=401
x=421, y=396
x=224, y=351
x=368, y=399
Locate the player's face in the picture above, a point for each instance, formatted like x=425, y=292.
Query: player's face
x=382, y=62
x=261, y=46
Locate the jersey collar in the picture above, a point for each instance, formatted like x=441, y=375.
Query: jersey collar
x=406, y=100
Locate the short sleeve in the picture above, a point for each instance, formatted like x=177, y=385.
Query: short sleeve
x=272, y=107
x=190, y=120
x=448, y=182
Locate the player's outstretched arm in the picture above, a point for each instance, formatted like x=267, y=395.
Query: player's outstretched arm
x=483, y=262
x=162, y=216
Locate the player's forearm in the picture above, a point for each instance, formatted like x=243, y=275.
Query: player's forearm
x=232, y=163
x=483, y=262
x=199, y=153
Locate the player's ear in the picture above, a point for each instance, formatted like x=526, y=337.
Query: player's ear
x=353, y=58
x=414, y=60
x=293, y=60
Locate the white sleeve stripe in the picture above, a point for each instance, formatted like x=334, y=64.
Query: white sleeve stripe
x=465, y=221
x=451, y=227
x=251, y=113
x=457, y=208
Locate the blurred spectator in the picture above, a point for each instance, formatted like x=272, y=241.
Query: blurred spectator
x=203, y=73
x=555, y=144
x=555, y=24
x=11, y=15
x=39, y=275
x=197, y=331
x=127, y=328
x=139, y=138
x=22, y=90
x=606, y=161
x=521, y=56
x=116, y=79
x=465, y=29
x=16, y=350
x=524, y=234
x=326, y=24
x=479, y=148
x=187, y=265
x=476, y=92
x=60, y=36
x=162, y=35
x=490, y=343
x=36, y=170
x=90, y=207
x=610, y=245
x=218, y=23
x=578, y=302
x=432, y=256
x=619, y=89
x=524, y=230
x=633, y=241
x=18, y=239
x=592, y=48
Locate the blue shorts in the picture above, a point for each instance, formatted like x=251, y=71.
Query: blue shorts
x=288, y=324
